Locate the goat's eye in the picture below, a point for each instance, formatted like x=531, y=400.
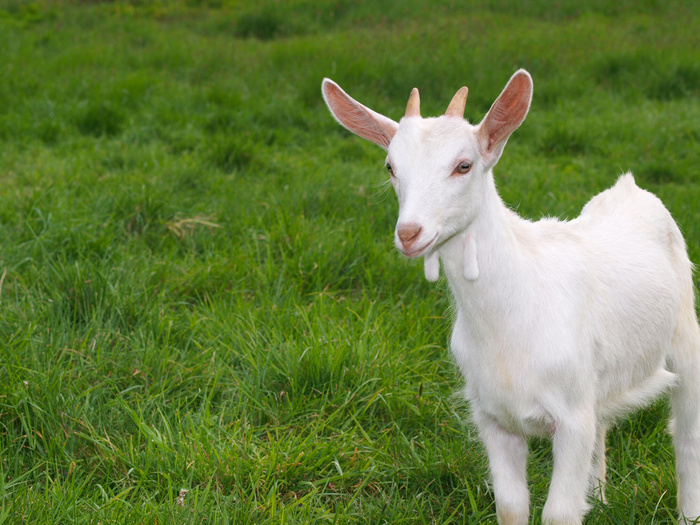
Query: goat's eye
x=463, y=167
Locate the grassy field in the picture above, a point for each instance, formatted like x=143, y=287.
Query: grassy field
x=204, y=319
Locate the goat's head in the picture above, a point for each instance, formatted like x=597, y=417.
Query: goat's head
x=437, y=165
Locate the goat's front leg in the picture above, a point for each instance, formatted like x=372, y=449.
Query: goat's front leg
x=572, y=448
x=508, y=463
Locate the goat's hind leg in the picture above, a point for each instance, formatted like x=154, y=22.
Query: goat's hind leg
x=685, y=403
x=597, y=476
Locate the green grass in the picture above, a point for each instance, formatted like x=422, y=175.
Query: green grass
x=199, y=290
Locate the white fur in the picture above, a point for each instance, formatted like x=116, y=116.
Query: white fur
x=561, y=327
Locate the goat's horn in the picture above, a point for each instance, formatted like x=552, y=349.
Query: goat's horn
x=413, y=106
x=456, y=107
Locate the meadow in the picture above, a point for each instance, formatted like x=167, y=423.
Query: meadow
x=203, y=318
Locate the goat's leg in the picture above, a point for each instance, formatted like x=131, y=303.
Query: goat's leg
x=598, y=468
x=572, y=448
x=685, y=404
x=686, y=438
x=507, y=454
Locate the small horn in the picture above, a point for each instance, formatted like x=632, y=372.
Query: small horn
x=413, y=106
x=456, y=107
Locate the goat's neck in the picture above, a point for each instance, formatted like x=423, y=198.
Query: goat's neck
x=495, y=234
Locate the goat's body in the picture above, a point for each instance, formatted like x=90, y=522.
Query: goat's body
x=607, y=296
x=594, y=297
x=561, y=327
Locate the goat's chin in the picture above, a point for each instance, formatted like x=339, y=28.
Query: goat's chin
x=412, y=254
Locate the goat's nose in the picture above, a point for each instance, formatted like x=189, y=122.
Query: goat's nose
x=408, y=232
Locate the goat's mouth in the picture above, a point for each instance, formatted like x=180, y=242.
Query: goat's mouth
x=420, y=251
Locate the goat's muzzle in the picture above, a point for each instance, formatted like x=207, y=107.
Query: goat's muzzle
x=408, y=236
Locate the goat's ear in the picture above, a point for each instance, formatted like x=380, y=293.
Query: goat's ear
x=505, y=115
x=357, y=118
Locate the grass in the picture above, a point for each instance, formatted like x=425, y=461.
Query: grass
x=203, y=318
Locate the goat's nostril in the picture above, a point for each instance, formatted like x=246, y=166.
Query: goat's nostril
x=409, y=232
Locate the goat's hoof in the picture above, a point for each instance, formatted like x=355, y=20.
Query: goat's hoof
x=509, y=517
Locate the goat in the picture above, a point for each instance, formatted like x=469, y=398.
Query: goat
x=561, y=326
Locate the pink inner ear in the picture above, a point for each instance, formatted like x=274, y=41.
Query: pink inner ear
x=498, y=128
x=357, y=118
x=509, y=110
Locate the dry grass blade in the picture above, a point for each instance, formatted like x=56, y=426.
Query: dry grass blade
x=182, y=228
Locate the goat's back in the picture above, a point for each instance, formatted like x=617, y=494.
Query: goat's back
x=630, y=228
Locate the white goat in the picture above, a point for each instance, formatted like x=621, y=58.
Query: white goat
x=561, y=327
